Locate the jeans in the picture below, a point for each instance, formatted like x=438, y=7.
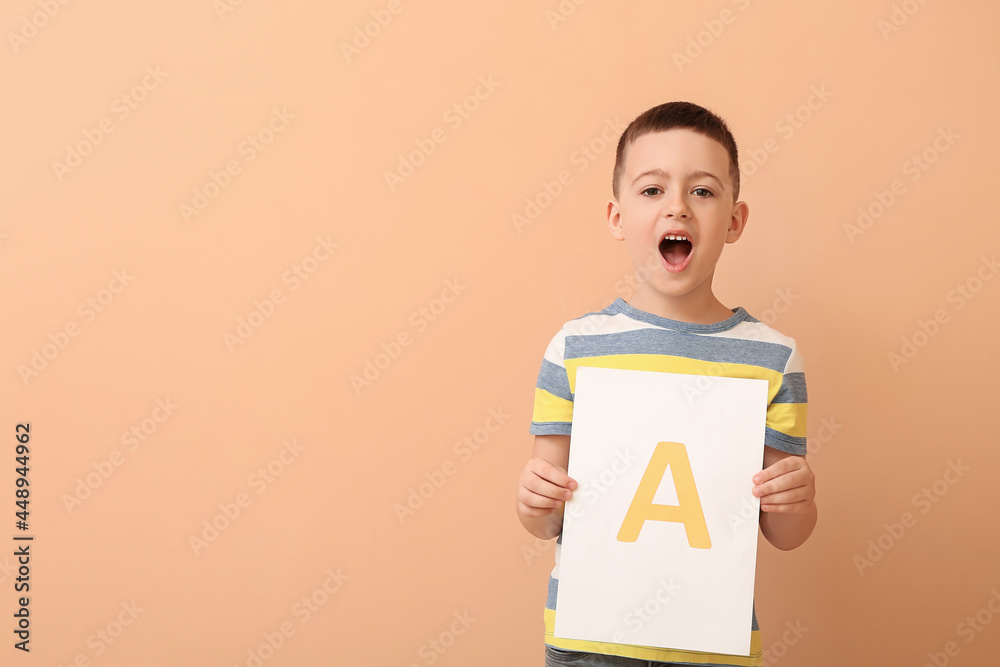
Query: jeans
x=557, y=657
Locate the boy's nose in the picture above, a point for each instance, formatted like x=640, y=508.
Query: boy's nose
x=676, y=207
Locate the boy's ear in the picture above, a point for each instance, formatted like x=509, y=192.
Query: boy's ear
x=615, y=220
x=737, y=222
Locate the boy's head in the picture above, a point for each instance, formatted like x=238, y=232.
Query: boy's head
x=673, y=115
x=675, y=206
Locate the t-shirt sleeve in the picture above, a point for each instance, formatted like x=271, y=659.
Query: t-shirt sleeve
x=785, y=426
x=553, y=410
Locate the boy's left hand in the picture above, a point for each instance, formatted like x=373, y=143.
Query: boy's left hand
x=786, y=485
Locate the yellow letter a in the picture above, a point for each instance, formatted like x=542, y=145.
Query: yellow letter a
x=688, y=510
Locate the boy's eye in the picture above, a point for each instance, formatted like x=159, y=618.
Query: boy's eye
x=703, y=192
x=651, y=190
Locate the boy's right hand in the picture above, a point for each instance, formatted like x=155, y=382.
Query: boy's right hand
x=543, y=488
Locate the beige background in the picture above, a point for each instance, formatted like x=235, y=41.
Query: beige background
x=880, y=432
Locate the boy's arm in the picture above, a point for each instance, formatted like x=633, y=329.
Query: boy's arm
x=787, y=491
x=544, y=487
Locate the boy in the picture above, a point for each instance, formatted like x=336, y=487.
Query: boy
x=676, y=187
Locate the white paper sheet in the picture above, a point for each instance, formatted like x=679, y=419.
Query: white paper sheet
x=659, y=590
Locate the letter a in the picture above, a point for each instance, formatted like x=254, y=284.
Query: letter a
x=688, y=510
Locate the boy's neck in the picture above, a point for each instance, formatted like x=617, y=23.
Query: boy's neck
x=700, y=311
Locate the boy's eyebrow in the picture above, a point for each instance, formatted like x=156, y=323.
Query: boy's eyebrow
x=697, y=173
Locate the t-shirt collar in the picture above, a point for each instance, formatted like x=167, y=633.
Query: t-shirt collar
x=739, y=315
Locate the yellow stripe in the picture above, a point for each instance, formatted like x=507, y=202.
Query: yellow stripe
x=789, y=418
x=551, y=408
x=651, y=653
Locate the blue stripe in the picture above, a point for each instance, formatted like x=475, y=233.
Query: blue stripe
x=550, y=428
x=550, y=601
x=786, y=443
x=621, y=306
x=680, y=344
x=552, y=378
x=792, y=390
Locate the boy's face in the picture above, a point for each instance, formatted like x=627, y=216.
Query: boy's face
x=676, y=185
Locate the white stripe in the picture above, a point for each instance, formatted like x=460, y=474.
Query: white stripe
x=604, y=324
x=756, y=331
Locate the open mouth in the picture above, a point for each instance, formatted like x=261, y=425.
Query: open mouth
x=675, y=248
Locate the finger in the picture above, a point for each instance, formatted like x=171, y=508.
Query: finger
x=537, y=501
x=795, y=495
x=787, y=508
x=777, y=469
x=544, y=487
x=789, y=480
x=783, y=483
x=554, y=475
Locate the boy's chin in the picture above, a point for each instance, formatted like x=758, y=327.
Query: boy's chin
x=671, y=291
x=684, y=286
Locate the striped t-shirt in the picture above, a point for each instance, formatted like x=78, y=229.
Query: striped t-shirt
x=622, y=336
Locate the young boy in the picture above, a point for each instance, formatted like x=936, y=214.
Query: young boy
x=676, y=187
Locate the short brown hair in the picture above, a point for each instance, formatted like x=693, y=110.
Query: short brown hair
x=672, y=115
